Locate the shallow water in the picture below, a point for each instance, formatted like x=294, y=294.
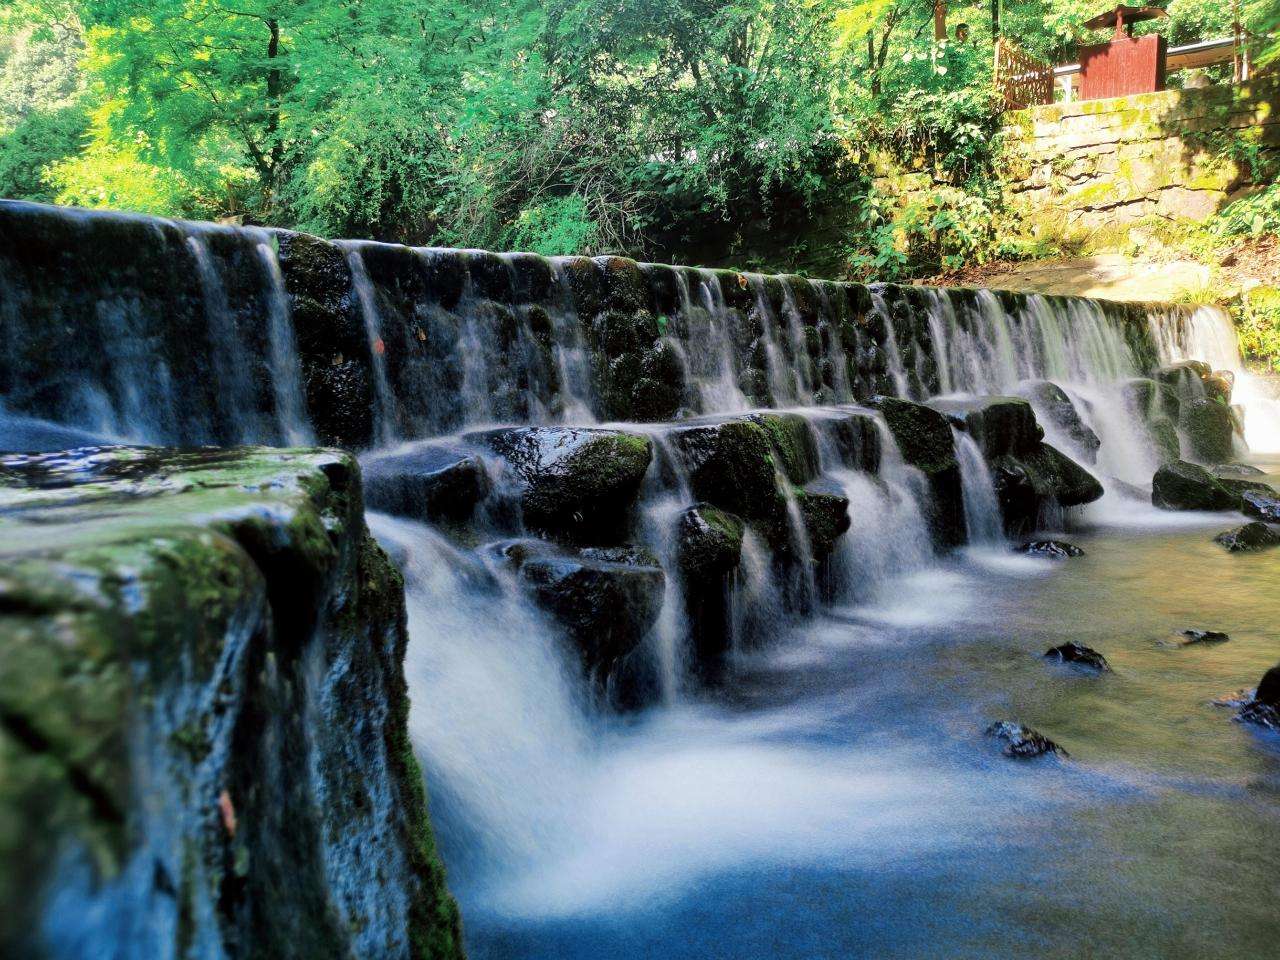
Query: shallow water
x=842, y=801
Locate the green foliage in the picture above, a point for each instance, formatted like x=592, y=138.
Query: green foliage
x=1258, y=327
x=36, y=143
x=1254, y=215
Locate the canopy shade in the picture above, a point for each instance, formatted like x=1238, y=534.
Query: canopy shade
x=1123, y=15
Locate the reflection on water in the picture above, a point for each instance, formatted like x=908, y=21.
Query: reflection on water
x=843, y=802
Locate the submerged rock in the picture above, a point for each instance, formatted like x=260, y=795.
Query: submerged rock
x=1185, y=486
x=1079, y=655
x=577, y=482
x=1050, y=549
x=1192, y=637
x=1022, y=742
x=1252, y=536
x=204, y=713
x=429, y=482
x=606, y=598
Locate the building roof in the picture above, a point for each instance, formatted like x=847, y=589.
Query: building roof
x=1125, y=15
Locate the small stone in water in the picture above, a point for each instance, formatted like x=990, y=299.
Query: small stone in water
x=1204, y=636
x=1238, y=699
x=1263, y=708
x=1051, y=549
x=1079, y=655
x=1023, y=742
x=1252, y=536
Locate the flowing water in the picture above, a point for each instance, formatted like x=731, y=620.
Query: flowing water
x=835, y=797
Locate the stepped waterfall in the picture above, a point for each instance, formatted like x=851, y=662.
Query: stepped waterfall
x=659, y=527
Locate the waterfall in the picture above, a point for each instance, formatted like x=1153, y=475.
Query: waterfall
x=981, y=508
x=367, y=299
x=1206, y=333
x=286, y=370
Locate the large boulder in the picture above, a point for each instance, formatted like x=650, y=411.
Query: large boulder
x=574, y=483
x=605, y=598
x=825, y=512
x=1208, y=429
x=1052, y=405
x=1026, y=484
x=1155, y=406
x=203, y=737
x=429, y=481
x=1260, y=502
x=1186, y=486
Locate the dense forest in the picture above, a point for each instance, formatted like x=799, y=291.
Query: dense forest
x=700, y=130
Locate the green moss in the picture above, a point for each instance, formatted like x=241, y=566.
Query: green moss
x=793, y=444
x=923, y=435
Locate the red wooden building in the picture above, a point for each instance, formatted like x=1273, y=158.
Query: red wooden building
x=1125, y=64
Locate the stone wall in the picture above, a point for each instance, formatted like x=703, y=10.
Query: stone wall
x=1090, y=171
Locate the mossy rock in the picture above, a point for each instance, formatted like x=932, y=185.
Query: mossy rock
x=1207, y=430
x=577, y=484
x=730, y=465
x=999, y=425
x=206, y=715
x=923, y=435
x=826, y=517
x=793, y=444
x=1186, y=486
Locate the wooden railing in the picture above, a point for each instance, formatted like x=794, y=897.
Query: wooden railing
x=1021, y=79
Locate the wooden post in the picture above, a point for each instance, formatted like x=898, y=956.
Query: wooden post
x=939, y=20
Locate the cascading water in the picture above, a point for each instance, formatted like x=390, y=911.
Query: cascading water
x=367, y=298
x=981, y=507
x=286, y=372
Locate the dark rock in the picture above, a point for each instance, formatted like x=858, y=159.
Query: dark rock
x=1186, y=377
x=1052, y=404
x=730, y=465
x=826, y=517
x=924, y=440
x=1026, y=484
x=923, y=435
x=1186, y=486
x=1163, y=434
x=1149, y=400
x=1252, y=536
x=793, y=444
x=207, y=646
x=429, y=482
x=1207, y=429
x=1203, y=636
x=1260, y=502
x=576, y=482
x=1079, y=655
x=1050, y=549
x=606, y=599
x=708, y=552
x=1264, y=707
x=1023, y=742
x=1219, y=384
x=1001, y=426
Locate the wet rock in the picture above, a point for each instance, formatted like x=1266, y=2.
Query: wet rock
x=1192, y=637
x=1052, y=404
x=1185, y=486
x=1149, y=400
x=1049, y=549
x=1186, y=377
x=856, y=438
x=1001, y=426
x=206, y=646
x=730, y=465
x=1163, y=434
x=1207, y=429
x=429, y=482
x=1025, y=484
x=1264, y=707
x=606, y=598
x=1022, y=742
x=708, y=552
x=1252, y=536
x=825, y=511
x=1079, y=655
x=793, y=444
x=924, y=439
x=1260, y=502
x=578, y=483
